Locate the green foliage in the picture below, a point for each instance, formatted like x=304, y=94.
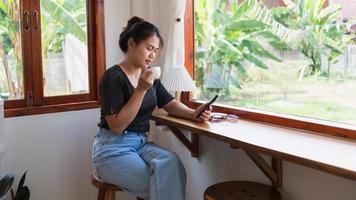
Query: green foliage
x=319, y=28
x=227, y=35
x=10, y=46
x=246, y=26
x=5, y=184
x=58, y=17
x=284, y=16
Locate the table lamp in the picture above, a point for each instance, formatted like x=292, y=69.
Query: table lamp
x=177, y=79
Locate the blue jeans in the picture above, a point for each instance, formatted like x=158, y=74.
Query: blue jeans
x=141, y=168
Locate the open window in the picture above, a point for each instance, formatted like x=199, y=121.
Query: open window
x=52, y=55
x=280, y=62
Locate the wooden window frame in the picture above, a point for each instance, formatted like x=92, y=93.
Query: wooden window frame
x=34, y=101
x=315, y=126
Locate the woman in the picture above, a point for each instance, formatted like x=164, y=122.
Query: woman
x=129, y=94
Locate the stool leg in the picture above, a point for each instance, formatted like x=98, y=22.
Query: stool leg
x=110, y=195
x=101, y=194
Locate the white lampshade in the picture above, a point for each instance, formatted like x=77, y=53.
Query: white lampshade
x=178, y=79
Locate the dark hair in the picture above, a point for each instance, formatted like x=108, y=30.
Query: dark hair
x=138, y=29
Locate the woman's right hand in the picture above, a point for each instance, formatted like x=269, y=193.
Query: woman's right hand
x=146, y=80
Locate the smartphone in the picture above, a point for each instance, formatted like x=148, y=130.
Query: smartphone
x=208, y=105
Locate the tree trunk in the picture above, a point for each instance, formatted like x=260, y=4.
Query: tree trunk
x=16, y=41
x=7, y=71
x=18, y=64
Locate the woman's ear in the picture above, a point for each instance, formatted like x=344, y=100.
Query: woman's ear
x=131, y=44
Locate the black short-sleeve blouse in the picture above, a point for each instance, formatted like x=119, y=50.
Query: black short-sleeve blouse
x=115, y=90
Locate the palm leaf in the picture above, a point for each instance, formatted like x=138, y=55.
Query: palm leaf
x=60, y=14
x=243, y=8
x=255, y=61
x=291, y=5
x=328, y=13
x=259, y=50
x=239, y=67
x=245, y=25
x=318, y=7
x=331, y=44
x=274, y=40
x=230, y=46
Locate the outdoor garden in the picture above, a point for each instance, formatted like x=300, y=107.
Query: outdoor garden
x=297, y=59
x=63, y=44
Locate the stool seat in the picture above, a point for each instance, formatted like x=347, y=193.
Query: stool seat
x=106, y=190
x=241, y=190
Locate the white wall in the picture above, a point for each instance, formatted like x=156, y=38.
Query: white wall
x=56, y=148
x=116, y=15
x=117, y=12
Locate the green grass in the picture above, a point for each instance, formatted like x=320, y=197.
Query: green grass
x=328, y=98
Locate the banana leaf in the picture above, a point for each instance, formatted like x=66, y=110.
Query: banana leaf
x=239, y=67
x=243, y=8
x=328, y=14
x=274, y=40
x=229, y=46
x=245, y=25
x=255, y=61
x=329, y=43
x=291, y=5
x=259, y=50
x=60, y=14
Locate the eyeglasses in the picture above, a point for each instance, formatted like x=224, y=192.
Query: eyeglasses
x=220, y=117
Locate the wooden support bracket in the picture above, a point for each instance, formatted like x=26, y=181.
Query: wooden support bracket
x=192, y=145
x=273, y=172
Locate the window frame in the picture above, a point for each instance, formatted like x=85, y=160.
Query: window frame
x=315, y=126
x=34, y=101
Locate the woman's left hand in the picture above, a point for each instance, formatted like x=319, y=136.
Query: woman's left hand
x=205, y=114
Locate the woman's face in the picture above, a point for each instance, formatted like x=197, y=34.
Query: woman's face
x=143, y=53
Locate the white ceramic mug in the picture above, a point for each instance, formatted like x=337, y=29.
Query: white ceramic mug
x=156, y=71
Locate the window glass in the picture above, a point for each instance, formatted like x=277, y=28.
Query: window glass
x=298, y=58
x=64, y=47
x=11, y=65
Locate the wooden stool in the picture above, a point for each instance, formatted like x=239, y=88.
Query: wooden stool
x=241, y=190
x=106, y=190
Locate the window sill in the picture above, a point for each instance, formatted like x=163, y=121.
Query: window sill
x=335, y=156
x=319, y=127
x=16, y=112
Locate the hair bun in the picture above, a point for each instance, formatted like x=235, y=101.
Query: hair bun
x=134, y=20
x=138, y=29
